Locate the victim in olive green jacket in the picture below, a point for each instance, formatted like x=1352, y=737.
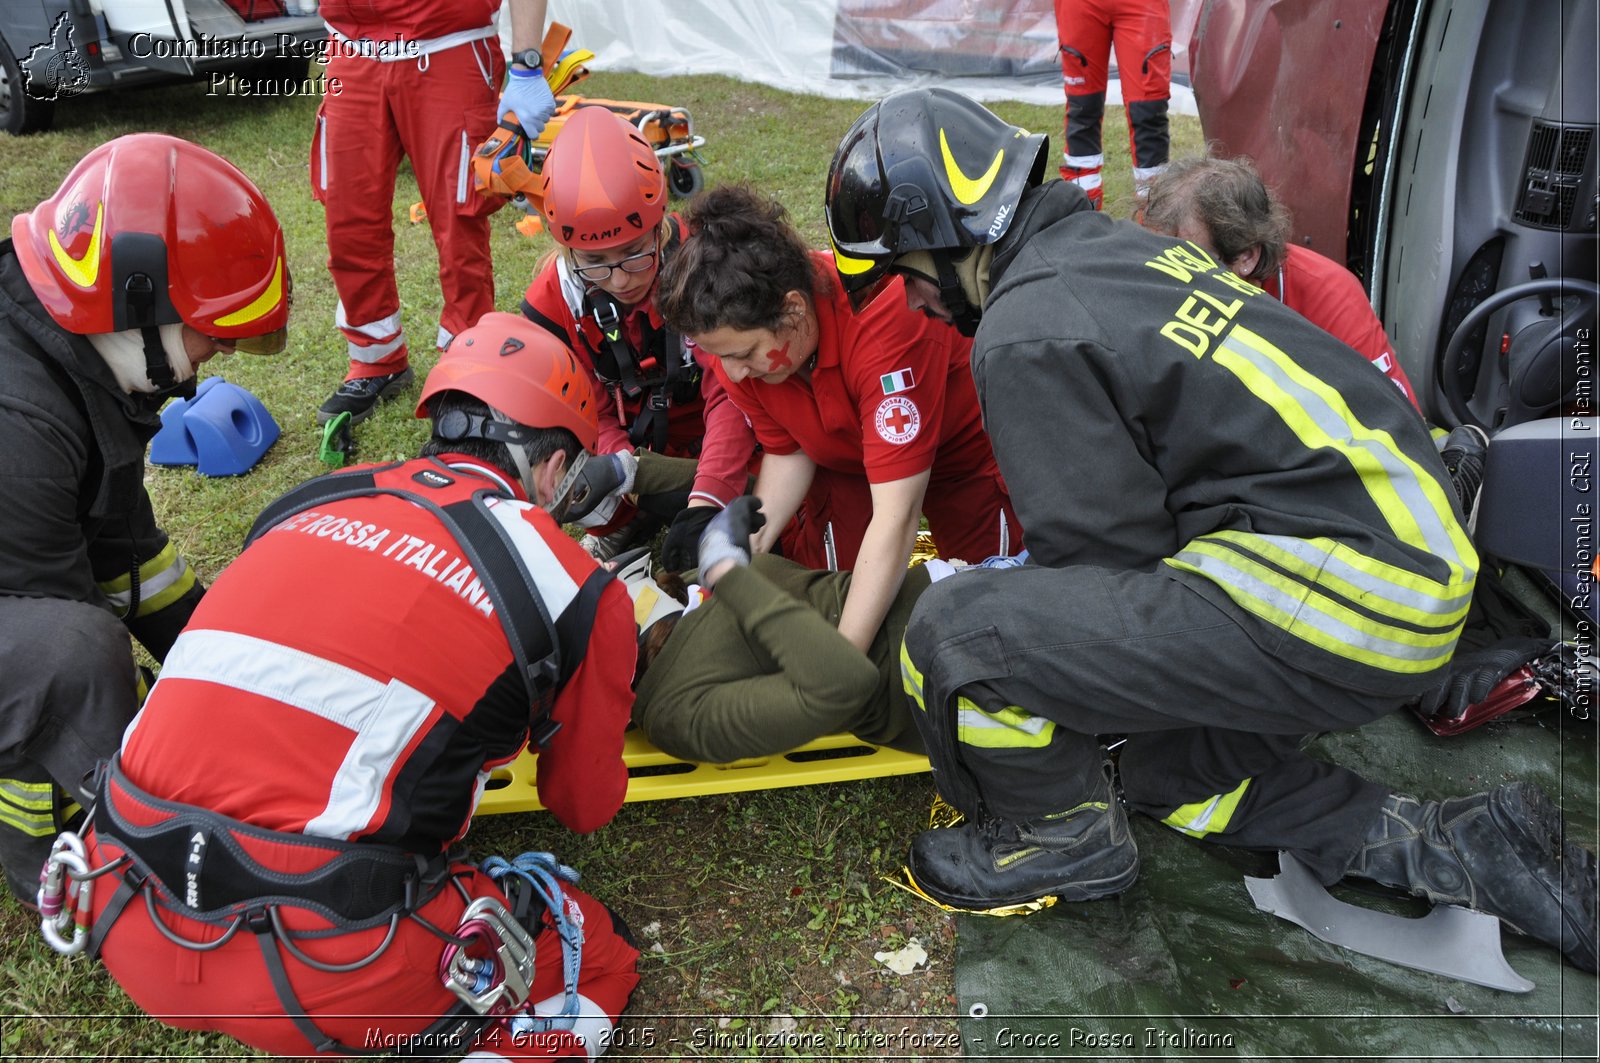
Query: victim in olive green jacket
x=761, y=668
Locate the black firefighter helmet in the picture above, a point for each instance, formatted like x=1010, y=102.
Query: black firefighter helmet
x=924, y=170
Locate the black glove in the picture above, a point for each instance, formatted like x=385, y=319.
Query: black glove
x=727, y=536
x=680, y=550
x=1471, y=677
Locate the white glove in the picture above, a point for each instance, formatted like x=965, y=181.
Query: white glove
x=528, y=96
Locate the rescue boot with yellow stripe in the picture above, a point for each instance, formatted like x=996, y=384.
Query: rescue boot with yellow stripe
x=1081, y=854
x=1503, y=853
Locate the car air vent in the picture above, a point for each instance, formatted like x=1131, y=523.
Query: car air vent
x=1558, y=179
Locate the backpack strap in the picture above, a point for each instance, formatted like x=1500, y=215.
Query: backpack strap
x=529, y=630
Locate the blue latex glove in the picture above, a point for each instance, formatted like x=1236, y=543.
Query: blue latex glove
x=528, y=95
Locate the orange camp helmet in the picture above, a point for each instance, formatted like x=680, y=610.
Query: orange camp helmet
x=150, y=230
x=601, y=184
x=518, y=368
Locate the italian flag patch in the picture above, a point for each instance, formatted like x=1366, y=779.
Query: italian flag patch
x=897, y=381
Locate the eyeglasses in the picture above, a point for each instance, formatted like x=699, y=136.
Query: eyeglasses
x=632, y=264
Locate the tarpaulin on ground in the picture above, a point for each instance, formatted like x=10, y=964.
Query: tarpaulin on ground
x=862, y=49
x=1184, y=966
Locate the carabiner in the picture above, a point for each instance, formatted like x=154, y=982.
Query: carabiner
x=65, y=890
x=496, y=985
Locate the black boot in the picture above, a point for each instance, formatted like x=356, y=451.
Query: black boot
x=1078, y=855
x=1501, y=853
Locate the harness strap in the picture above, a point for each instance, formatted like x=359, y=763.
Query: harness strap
x=201, y=865
x=129, y=883
x=452, y=1032
x=657, y=375
x=495, y=560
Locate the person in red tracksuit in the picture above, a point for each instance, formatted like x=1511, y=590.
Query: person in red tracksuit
x=1223, y=206
x=870, y=419
x=604, y=199
x=347, y=680
x=418, y=79
x=1141, y=32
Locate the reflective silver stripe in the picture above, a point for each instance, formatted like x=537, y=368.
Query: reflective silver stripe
x=382, y=329
x=399, y=49
x=556, y=588
x=1388, y=592
x=1402, y=474
x=322, y=152
x=911, y=677
x=150, y=586
x=1083, y=162
x=374, y=353
x=1198, y=824
x=463, y=169
x=1294, y=612
x=977, y=719
x=383, y=716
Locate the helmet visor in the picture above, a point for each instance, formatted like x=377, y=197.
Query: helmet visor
x=272, y=342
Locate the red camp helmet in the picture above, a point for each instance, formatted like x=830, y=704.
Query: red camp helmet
x=601, y=183
x=521, y=370
x=151, y=230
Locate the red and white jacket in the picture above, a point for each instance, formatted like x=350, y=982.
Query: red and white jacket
x=346, y=677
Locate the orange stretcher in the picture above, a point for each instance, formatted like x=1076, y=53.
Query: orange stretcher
x=506, y=163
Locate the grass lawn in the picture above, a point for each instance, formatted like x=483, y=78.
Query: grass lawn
x=758, y=912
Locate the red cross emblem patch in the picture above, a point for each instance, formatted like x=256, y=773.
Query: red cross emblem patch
x=898, y=420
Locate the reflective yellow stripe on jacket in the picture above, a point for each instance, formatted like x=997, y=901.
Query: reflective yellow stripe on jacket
x=28, y=807
x=1326, y=592
x=1211, y=816
x=1008, y=728
x=162, y=580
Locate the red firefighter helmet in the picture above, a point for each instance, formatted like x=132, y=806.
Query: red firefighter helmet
x=150, y=230
x=601, y=184
x=521, y=370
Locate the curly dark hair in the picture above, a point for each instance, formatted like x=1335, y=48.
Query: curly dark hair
x=1228, y=198
x=740, y=259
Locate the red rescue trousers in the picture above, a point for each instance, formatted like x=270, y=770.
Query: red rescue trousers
x=434, y=110
x=385, y=1003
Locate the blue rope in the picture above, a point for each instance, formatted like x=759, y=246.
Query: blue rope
x=544, y=874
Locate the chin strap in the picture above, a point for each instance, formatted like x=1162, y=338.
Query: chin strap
x=963, y=315
x=140, y=294
x=156, y=366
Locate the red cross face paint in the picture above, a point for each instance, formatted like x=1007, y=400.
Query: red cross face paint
x=778, y=360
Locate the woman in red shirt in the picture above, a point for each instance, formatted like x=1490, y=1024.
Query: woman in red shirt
x=869, y=418
x=604, y=201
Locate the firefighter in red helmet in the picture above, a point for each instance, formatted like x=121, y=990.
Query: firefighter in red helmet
x=153, y=256
x=469, y=628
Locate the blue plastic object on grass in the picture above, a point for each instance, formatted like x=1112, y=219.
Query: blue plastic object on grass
x=223, y=430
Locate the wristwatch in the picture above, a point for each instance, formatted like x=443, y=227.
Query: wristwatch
x=528, y=57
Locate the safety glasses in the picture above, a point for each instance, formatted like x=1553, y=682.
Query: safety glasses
x=632, y=264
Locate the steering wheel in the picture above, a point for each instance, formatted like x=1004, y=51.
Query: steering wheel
x=1455, y=374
